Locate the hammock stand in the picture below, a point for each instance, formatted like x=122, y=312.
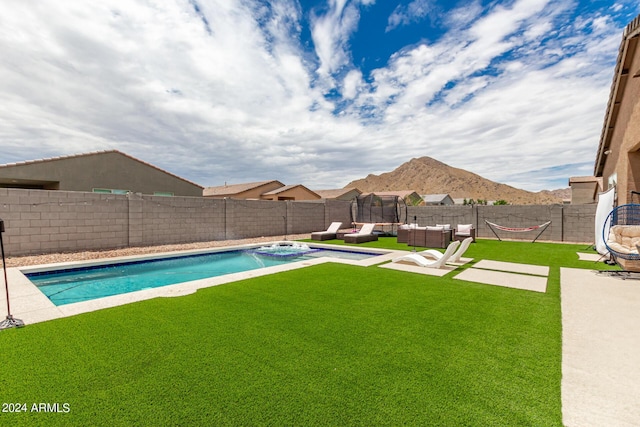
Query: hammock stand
x=493, y=227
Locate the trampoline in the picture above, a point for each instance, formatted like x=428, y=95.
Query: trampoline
x=384, y=210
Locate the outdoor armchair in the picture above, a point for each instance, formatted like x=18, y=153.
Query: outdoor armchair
x=463, y=231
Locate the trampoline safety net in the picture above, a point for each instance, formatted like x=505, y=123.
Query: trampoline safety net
x=379, y=209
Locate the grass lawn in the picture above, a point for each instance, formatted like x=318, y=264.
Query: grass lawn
x=325, y=345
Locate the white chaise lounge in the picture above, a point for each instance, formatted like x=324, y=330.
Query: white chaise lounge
x=455, y=258
x=417, y=259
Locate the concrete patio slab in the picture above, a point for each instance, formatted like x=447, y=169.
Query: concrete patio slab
x=539, y=270
x=590, y=257
x=419, y=270
x=600, y=349
x=501, y=278
x=462, y=261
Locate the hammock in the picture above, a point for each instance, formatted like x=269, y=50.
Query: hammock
x=493, y=227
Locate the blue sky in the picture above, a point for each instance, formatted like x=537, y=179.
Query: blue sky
x=312, y=92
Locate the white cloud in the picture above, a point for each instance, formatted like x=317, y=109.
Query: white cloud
x=407, y=14
x=463, y=15
x=522, y=111
x=331, y=33
x=352, y=84
x=226, y=91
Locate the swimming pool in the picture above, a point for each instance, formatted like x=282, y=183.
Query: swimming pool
x=77, y=284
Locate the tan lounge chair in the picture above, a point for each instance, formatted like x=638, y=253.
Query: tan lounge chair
x=365, y=234
x=329, y=234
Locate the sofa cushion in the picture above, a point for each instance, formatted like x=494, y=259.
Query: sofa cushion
x=464, y=228
x=624, y=239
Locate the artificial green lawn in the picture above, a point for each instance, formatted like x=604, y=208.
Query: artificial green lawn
x=325, y=345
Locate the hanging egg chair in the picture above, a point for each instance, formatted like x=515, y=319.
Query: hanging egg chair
x=621, y=235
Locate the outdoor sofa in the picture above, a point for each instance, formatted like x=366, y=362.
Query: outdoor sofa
x=428, y=237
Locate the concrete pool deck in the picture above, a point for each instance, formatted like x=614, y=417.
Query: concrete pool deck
x=30, y=305
x=600, y=349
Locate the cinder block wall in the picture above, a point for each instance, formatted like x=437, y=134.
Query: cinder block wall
x=39, y=221
x=336, y=210
x=167, y=220
x=306, y=216
x=255, y=218
x=432, y=215
x=579, y=223
x=569, y=223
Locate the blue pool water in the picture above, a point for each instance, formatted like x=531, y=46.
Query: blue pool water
x=87, y=283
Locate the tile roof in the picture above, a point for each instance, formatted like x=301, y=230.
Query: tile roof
x=335, y=193
x=288, y=187
x=434, y=197
x=400, y=193
x=231, y=189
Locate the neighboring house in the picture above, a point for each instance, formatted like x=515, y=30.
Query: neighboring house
x=618, y=159
x=262, y=190
x=584, y=189
x=291, y=192
x=249, y=190
x=437, y=199
x=101, y=171
x=339, y=194
x=410, y=197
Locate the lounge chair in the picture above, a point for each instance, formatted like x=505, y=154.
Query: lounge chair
x=463, y=231
x=423, y=262
x=329, y=234
x=365, y=234
x=455, y=258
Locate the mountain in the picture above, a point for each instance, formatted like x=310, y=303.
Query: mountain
x=426, y=175
x=562, y=193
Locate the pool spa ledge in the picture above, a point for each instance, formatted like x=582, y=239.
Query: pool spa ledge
x=31, y=305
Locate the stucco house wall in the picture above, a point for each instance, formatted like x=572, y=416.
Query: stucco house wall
x=618, y=159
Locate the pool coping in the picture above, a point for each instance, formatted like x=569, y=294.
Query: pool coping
x=30, y=305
